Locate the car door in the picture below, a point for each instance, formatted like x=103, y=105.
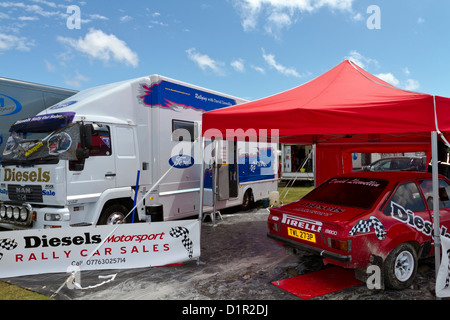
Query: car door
x=407, y=205
x=444, y=203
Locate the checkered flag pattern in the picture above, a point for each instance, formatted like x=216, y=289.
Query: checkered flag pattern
x=7, y=244
x=183, y=232
x=363, y=226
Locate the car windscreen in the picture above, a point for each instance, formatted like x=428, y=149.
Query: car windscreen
x=349, y=192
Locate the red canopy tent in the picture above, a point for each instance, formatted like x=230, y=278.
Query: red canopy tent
x=344, y=110
x=345, y=100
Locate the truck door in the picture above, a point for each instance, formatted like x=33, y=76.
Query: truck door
x=227, y=175
x=88, y=178
x=126, y=156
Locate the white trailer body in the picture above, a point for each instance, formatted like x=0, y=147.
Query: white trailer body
x=77, y=162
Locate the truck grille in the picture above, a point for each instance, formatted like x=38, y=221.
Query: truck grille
x=25, y=193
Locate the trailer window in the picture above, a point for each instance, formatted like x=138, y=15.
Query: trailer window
x=184, y=130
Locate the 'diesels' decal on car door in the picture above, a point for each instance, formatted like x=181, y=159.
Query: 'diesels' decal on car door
x=364, y=226
x=407, y=216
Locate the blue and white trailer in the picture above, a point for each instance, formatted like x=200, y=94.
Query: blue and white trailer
x=90, y=158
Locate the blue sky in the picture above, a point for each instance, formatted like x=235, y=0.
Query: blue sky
x=247, y=48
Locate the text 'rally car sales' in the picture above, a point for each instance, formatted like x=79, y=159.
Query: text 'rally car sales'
x=364, y=218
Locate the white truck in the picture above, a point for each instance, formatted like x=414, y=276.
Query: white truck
x=90, y=158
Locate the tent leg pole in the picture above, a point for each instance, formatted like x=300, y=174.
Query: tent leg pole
x=202, y=182
x=435, y=179
x=314, y=147
x=202, y=177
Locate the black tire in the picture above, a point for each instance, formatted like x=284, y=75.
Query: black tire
x=400, y=267
x=113, y=215
x=247, y=200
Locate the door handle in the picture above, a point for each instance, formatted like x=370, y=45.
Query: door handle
x=110, y=174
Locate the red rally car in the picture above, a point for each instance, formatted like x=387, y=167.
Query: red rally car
x=364, y=218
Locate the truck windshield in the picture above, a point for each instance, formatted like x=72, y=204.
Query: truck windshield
x=349, y=192
x=42, y=139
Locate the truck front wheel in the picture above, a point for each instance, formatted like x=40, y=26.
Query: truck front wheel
x=113, y=215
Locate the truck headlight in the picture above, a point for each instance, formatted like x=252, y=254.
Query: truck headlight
x=16, y=213
x=9, y=212
x=23, y=214
x=52, y=217
x=3, y=212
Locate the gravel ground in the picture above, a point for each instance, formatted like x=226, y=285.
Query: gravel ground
x=238, y=262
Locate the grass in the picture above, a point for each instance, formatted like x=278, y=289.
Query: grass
x=12, y=292
x=294, y=193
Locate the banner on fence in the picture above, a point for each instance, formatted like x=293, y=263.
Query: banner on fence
x=126, y=246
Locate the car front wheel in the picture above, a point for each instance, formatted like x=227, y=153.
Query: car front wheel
x=400, y=267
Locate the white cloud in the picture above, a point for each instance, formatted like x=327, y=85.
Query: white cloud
x=97, y=16
x=48, y=3
x=361, y=60
x=11, y=42
x=412, y=85
x=270, y=60
x=259, y=69
x=358, y=17
x=409, y=84
x=50, y=67
x=238, y=65
x=205, y=62
x=276, y=22
x=76, y=81
x=26, y=18
x=389, y=78
x=279, y=14
x=35, y=9
x=126, y=18
x=102, y=46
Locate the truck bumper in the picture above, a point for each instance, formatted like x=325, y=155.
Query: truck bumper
x=42, y=218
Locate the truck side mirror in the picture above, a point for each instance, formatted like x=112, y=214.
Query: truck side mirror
x=86, y=135
x=85, y=141
x=82, y=153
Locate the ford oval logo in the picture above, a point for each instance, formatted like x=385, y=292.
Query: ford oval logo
x=9, y=105
x=63, y=104
x=181, y=161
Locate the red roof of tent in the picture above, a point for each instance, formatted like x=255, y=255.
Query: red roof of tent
x=346, y=100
